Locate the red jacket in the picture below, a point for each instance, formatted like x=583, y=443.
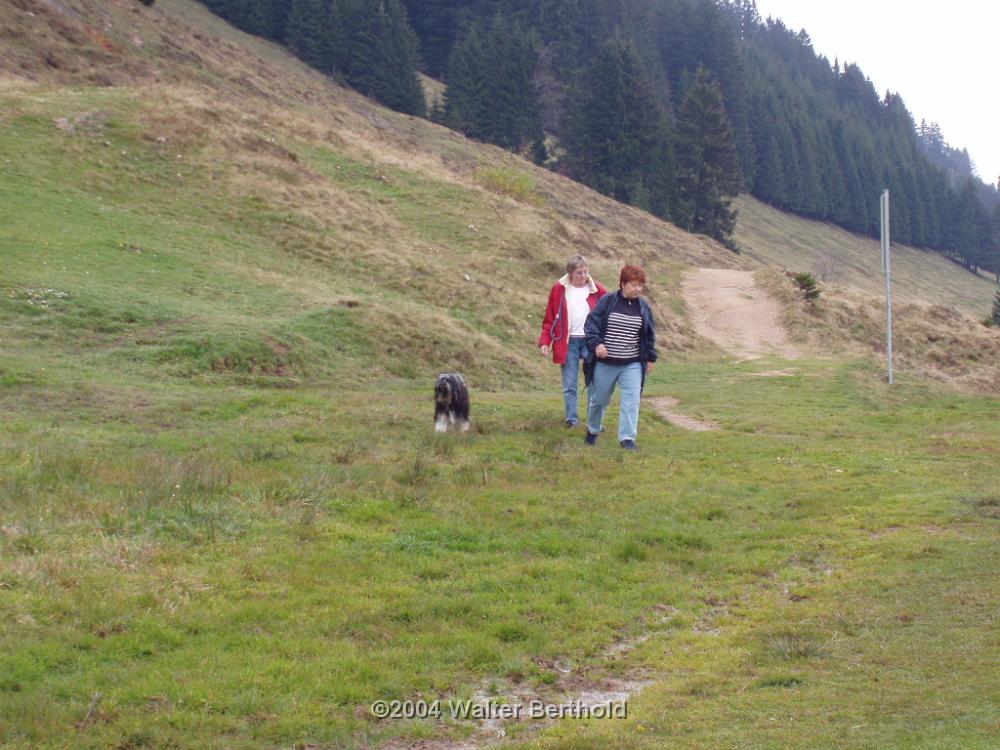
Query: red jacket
x=555, y=326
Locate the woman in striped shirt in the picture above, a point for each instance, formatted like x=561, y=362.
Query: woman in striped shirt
x=621, y=348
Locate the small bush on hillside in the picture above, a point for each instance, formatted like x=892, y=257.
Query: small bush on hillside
x=994, y=319
x=518, y=185
x=227, y=354
x=807, y=283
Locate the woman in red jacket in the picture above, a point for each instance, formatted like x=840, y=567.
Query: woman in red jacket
x=570, y=301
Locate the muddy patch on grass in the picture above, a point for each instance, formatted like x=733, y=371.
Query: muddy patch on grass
x=87, y=124
x=884, y=532
x=665, y=406
x=786, y=373
x=988, y=507
x=576, y=692
x=493, y=714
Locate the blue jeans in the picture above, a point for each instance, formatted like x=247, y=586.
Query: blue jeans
x=576, y=347
x=629, y=379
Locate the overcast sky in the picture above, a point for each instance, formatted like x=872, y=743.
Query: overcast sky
x=941, y=58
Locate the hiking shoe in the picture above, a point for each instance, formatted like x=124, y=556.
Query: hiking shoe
x=591, y=438
x=571, y=423
x=629, y=445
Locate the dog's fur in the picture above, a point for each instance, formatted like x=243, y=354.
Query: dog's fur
x=451, y=403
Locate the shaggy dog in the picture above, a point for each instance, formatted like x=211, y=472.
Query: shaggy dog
x=451, y=403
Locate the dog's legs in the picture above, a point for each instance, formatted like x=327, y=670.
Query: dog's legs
x=441, y=423
x=463, y=425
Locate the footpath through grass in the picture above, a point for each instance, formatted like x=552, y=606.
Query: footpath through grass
x=240, y=567
x=225, y=522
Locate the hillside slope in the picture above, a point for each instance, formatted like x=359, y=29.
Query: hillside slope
x=841, y=260
x=288, y=208
x=324, y=215
x=225, y=521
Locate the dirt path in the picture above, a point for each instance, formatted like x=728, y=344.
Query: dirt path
x=664, y=406
x=574, y=694
x=728, y=309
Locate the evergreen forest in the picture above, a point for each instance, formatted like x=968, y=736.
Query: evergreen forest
x=675, y=106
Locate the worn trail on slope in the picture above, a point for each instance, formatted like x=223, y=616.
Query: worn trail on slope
x=728, y=308
x=664, y=406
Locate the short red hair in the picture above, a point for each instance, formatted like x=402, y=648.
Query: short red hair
x=631, y=273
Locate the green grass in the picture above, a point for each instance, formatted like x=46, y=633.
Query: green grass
x=225, y=521
x=507, y=181
x=260, y=567
x=223, y=284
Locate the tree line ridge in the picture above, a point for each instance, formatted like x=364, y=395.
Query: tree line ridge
x=674, y=106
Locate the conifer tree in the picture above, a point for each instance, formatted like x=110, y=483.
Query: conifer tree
x=812, y=136
x=436, y=111
x=310, y=33
x=994, y=245
x=561, y=25
x=708, y=172
x=972, y=228
x=616, y=133
x=491, y=93
x=465, y=97
x=512, y=117
x=262, y=17
x=436, y=24
x=274, y=16
x=385, y=57
x=717, y=51
x=746, y=14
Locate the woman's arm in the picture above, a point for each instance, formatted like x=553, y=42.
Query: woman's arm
x=593, y=327
x=551, y=310
x=651, y=352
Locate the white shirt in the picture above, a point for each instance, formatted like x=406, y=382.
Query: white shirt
x=577, y=308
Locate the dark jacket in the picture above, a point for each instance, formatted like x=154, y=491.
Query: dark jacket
x=596, y=329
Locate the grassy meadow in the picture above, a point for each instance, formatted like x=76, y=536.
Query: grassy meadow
x=235, y=566
x=225, y=289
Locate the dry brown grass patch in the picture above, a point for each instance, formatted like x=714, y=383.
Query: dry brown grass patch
x=929, y=340
x=248, y=113
x=842, y=261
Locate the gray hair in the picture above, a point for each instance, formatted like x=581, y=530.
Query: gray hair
x=575, y=262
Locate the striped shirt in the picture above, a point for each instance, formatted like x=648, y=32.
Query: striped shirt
x=622, y=336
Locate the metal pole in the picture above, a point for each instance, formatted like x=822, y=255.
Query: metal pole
x=887, y=268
